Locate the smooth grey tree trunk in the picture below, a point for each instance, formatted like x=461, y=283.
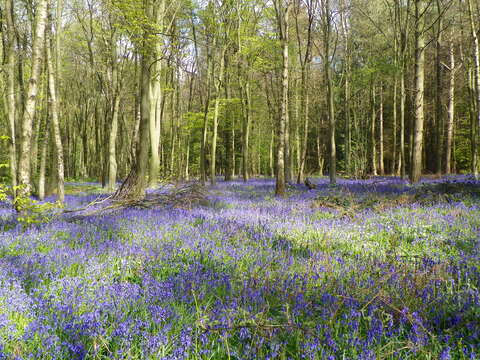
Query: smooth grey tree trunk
x=381, y=165
x=215, y=118
x=203, y=144
x=394, y=126
x=451, y=111
x=439, y=123
x=9, y=50
x=43, y=162
x=52, y=92
x=31, y=100
x=283, y=24
x=476, y=71
x=246, y=114
x=416, y=168
x=327, y=34
x=112, y=152
x=156, y=101
x=373, y=118
x=270, y=155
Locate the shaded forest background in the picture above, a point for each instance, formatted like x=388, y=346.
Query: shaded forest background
x=107, y=90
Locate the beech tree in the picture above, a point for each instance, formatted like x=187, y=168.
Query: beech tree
x=31, y=98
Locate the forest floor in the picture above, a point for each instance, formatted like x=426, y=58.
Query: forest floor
x=372, y=269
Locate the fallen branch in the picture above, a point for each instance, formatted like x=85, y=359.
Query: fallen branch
x=183, y=196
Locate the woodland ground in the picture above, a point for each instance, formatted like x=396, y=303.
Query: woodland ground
x=371, y=269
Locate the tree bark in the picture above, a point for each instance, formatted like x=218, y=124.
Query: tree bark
x=451, y=112
x=246, y=130
x=416, y=168
x=476, y=59
x=9, y=50
x=215, y=117
x=270, y=154
x=373, y=118
x=394, y=126
x=327, y=33
x=156, y=98
x=283, y=24
x=52, y=91
x=29, y=112
x=305, y=115
x=381, y=166
x=305, y=60
x=203, y=144
x=438, y=95
x=43, y=162
x=228, y=130
x=402, y=20
x=134, y=186
x=112, y=153
x=347, y=91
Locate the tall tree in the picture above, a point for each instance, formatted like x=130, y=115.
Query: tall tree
x=438, y=90
x=9, y=41
x=216, y=110
x=157, y=101
x=305, y=58
x=451, y=110
x=402, y=17
x=52, y=92
x=476, y=71
x=326, y=16
x=31, y=98
x=134, y=186
x=419, y=90
x=282, y=9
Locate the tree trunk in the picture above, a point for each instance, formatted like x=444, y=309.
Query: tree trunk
x=476, y=69
x=438, y=96
x=373, y=118
x=228, y=130
x=245, y=94
x=134, y=186
x=298, y=119
x=394, y=126
x=305, y=114
x=9, y=50
x=203, y=144
x=187, y=159
x=451, y=112
x=283, y=24
x=29, y=112
x=154, y=124
x=346, y=73
x=320, y=158
x=416, y=168
x=286, y=153
x=54, y=114
x=270, y=155
x=327, y=33
x=403, y=98
x=381, y=166
x=43, y=162
x=213, y=172
x=402, y=20
x=112, y=156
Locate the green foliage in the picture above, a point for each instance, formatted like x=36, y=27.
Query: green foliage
x=30, y=211
x=3, y=192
